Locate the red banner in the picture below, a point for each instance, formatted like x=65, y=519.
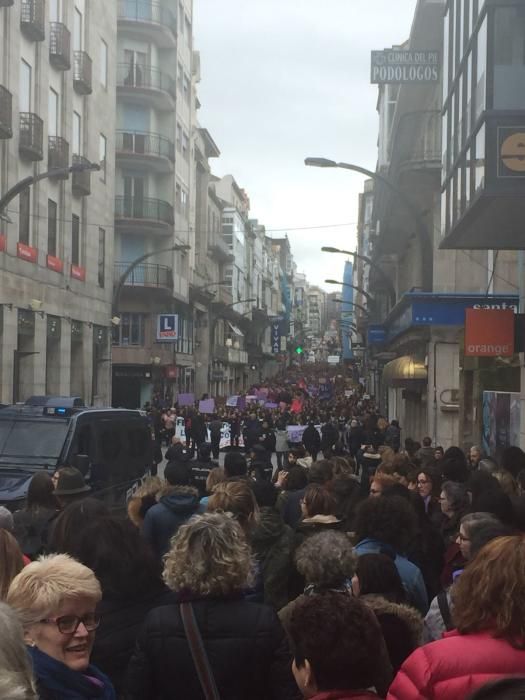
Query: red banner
x=171, y=372
x=489, y=332
x=54, y=263
x=78, y=273
x=3, y=242
x=26, y=252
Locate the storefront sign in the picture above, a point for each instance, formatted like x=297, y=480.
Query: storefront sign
x=398, y=66
x=276, y=338
x=511, y=145
x=489, y=332
x=3, y=242
x=54, y=263
x=26, y=252
x=376, y=335
x=167, y=328
x=78, y=273
x=171, y=372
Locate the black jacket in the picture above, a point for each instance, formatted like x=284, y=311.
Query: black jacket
x=120, y=624
x=245, y=644
x=312, y=439
x=199, y=474
x=329, y=436
x=164, y=519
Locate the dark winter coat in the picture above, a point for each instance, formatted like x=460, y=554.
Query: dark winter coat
x=164, y=519
x=273, y=545
x=31, y=528
x=120, y=624
x=329, y=436
x=393, y=437
x=198, y=429
x=199, y=474
x=289, y=505
x=245, y=643
x=312, y=440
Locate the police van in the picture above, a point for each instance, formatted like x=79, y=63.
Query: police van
x=112, y=447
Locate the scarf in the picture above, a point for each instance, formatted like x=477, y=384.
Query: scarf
x=64, y=683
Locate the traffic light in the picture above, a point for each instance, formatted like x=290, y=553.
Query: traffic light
x=299, y=350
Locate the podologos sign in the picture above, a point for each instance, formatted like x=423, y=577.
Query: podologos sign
x=398, y=66
x=489, y=332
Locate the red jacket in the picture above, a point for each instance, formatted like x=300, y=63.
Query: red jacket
x=454, y=666
x=345, y=695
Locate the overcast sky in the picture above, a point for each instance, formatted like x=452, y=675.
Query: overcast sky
x=286, y=79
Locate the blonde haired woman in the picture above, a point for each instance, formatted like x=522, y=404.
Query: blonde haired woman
x=16, y=678
x=56, y=599
x=208, y=567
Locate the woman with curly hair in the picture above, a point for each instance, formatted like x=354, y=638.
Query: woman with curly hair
x=489, y=640
x=208, y=568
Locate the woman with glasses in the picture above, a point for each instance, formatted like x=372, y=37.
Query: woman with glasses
x=429, y=488
x=56, y=599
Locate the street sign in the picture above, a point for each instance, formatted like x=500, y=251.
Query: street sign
x=167, y=328
x=399, y=66
x=333, y=359
x=276, y=338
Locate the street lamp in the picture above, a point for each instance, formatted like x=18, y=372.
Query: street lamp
x=352, y=303
x=204, y=287
x=425, y=239
x=353, y=286
x=124, y=276
x=32, y=179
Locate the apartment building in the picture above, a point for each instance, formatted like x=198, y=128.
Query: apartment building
x=155, y=204
x=57, y=97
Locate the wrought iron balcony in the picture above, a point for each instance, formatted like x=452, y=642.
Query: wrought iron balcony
x=219, y=249
x=150, y=18
x=142, y=143
x=81, y=180
x=145, y=82
x=6, y=113
x=59, y=46
x=31, y=144
x=82, y=73
x=32, y=19
x=145, y=275
x=144, y=208
x=57, y=154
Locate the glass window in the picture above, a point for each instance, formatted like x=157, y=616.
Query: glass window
x=25, y=100
x=103, y=76
x=187, y=29
x=461, y=30
x=179, y=137
x=180, y=76
x=509, y=58
x=452, y=51
x=52, y=123
x=446, y=62
x=24, y=216
x=186, y=89
x=51, y=227
x=77, y=134
x=480, y=160
x=75, y=239
x=469, y=97
x=481, y=73
x=54, y=11
x=460, y=113
x=77, y=30
x=444, y=221
x=102, y=155
x=444, y=145
x=468, y=178
x=101, y=257
x=130, y=331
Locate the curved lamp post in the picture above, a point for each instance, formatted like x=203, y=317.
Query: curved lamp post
x=425, y=239
x=367, y=296
x=351, y=303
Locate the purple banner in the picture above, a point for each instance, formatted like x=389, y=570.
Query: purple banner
x=207, y=406
x=186, y=399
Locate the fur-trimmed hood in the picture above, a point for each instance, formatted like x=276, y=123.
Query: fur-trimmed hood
x=409, y=615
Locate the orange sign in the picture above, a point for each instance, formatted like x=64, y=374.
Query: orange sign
x=489, y=332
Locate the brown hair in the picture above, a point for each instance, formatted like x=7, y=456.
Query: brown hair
x=490, y=593
x=216, y=476
x=235, y=497
x=319, y=501
x=385, y=480
x=12, y=561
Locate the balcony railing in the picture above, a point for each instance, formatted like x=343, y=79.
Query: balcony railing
x=57, y=154
x=6, y=113
x=143, y=208
x=145, y=78
x=82, y=73
x=31, y=144
x=219, y=249
x=147, y=12
x=145, y=275
x=59, y=46
x=142, y=143
x=32, y=19
x=81, y=180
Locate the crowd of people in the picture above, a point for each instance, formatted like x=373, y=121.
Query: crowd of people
x=353, y=565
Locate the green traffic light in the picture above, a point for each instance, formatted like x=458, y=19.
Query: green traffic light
x=299, y=350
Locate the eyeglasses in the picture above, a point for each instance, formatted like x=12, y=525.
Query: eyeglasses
x=68, y=624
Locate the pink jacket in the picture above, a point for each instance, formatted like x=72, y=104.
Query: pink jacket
x=454, y=666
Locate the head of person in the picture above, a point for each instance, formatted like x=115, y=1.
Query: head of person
x=391, y=521
x=116, y=552
x=469, y=525
x=453, y=498
x=178, y=473
x=40, y=492
x=343, y=467
x=326, y=560
x=376, y=574
x=496, y=502
x=265, y=493
x=428, y=483
x=235, y=497
x=512, y=688
x=235, y=465
x=485, y=533
x=481, y=482
x=16, y=677
x=513, y=459
x=11, y=561
x=56, y=599
x=6, y=520
x=426, y=442
x=507, y=482
x=380, y=482
x=215, y=477
x=72, y=520
x=439, y=453
x=209, y=556
x=204, y=452
x=487, y=464
x=490, y=593
x=520, y=481
x=475, y=454
x=454, y=466
x=337, y=642
x=70, y=486
x=143, y=499
x=296, y=479
x=295, y=454
x=321, y=472
x=317, y=500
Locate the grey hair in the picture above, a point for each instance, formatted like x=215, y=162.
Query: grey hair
x=456, y=494
x=326, y=559
x=487, y=464
x=16, y=678
x=473, y=521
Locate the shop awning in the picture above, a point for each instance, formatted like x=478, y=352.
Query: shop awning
x=403, y=370
x=236, y=329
